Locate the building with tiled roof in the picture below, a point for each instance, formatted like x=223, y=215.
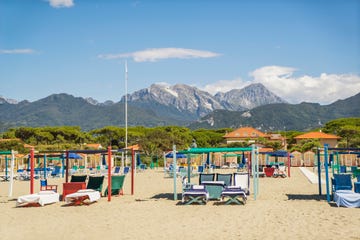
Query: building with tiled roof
x=324, y=138
x=250, y=135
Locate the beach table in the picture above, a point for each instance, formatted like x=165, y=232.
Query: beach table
x=214, y=188
x=347, y=198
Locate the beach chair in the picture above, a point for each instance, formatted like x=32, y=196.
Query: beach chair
x=56, y=171
x=206, y=177
x=82, y=197
x=78, y=178
x=44, y=186
x=126, y=170
x=226, y=178
x=241, y=180
x=117, y=183
x=280, y=171
x=269, y=171
x=116, y=170
x=38, y=199
x=195, y=194
x=357, y=185
x=95, y=183
x=341, y=182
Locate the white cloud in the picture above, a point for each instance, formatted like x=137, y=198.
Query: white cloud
x=323, y=89
x=61, y=3
x=155, y=54
x=17, y=51
x=225, y=85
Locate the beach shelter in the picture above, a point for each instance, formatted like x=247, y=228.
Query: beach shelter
x=254, y=162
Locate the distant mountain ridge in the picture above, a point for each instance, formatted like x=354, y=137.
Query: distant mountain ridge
x=180, y=104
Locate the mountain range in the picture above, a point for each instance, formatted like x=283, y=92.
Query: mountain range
x=160, y=105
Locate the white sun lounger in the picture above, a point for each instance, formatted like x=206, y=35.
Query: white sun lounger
x=38, y=199
x=83, y=196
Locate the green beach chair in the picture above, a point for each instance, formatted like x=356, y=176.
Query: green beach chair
x=117, y=183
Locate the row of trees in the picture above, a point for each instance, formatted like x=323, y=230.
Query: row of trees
x=154, y=141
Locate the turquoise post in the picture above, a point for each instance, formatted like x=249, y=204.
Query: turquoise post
x=44, y=166
x=326, y=146
x=189, y=166
x=174, y=171
x=6, y=168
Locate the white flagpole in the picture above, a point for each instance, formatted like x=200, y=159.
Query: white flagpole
x=126, y=79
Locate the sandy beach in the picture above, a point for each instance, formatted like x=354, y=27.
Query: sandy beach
x=286, y=208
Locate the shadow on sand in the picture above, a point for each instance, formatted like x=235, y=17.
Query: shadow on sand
x=316, y=197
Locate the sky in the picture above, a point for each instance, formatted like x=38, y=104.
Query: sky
x=301, y=50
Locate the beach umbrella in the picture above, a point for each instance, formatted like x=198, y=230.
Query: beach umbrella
x=178, y=155
x=74, y=156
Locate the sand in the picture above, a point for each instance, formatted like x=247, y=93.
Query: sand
x=286, y=208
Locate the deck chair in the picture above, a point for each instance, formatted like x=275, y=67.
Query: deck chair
x=226, y=178
x=117, y=183
x=78, y=178
x=341, y=182
x=117, y=170
x=126, y=170
x=44, y=186
x=38, y=199
x=95, y=183
x=56, y=171
x=241, y=180
x=357, y=185
x=206, y=177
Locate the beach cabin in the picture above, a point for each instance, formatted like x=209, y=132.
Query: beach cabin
x=296, y=160
x=309, y=158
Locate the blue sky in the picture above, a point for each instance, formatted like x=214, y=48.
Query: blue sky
x=300, y=50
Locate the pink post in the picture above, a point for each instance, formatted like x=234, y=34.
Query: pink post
x=109, y=173
x=31, y=170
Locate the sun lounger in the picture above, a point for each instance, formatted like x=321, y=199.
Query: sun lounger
x=347, y=198
x=195, y=194
x=234, y=194
x=82, y=197
x=72, y=187
x=38, y=199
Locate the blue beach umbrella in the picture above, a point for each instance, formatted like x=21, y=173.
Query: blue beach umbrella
x=178, y=155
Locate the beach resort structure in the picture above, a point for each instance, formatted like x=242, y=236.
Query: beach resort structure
x=251, y=135
x=324, y=138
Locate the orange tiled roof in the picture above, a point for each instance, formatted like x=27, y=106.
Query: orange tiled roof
x=317, y=135
x=94, y=145
x=135, y=147
x=245, y=132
